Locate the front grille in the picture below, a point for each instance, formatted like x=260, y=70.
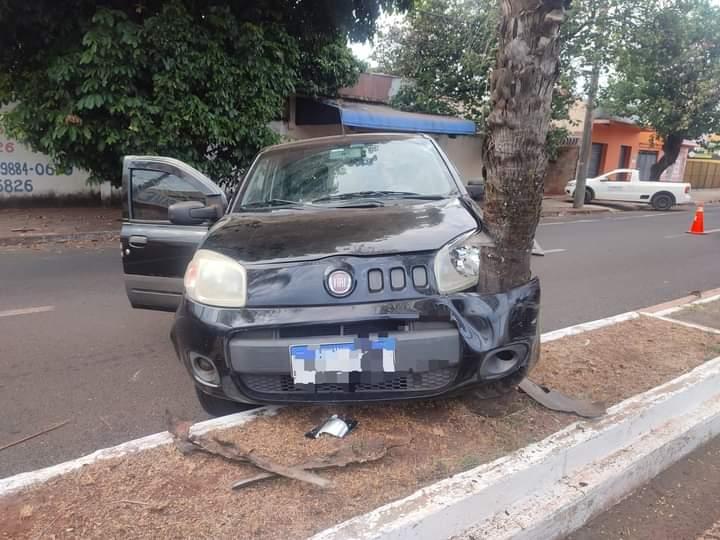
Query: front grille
x=392, y=382
x=359, y=329
x=397, y=279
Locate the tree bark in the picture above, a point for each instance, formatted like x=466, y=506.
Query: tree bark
x=671, y=149
x=522, y=83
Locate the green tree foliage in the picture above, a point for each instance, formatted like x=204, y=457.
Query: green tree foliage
x=668, y=75
x=198, y=80
x=446, y=50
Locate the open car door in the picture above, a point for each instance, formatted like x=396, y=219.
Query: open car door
x=156, y=252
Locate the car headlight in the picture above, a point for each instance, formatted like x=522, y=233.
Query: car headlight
x=457, y=265
x=215, y=280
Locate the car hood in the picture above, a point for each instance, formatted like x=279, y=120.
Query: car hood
x=313, y=233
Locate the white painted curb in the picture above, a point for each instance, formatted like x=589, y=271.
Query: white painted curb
x=548, y=489
x=542, y=491
x=24, y=480
x=675, y=309
x=586, y=327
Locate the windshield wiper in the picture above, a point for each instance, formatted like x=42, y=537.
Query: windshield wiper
x=272, y=202
x=372, y=194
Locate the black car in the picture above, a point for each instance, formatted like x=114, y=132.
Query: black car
x=344, y=269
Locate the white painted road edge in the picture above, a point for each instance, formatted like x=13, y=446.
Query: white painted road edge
x=21, y=481
x=24, y=480
x=26, y=311
x=675, y=309
x=548, y=489
x=514, y=495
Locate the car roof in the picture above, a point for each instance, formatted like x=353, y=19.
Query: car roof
x=343, y=139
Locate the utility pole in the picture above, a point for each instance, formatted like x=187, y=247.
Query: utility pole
x=586, y=144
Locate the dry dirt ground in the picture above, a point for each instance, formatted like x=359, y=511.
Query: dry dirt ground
x=63, y=220
x=162, y=494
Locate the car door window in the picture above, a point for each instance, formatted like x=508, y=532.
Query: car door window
x=154, y=191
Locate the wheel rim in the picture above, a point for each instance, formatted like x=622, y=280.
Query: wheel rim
x=663, y=202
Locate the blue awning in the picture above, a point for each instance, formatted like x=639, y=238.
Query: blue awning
x=380, y=117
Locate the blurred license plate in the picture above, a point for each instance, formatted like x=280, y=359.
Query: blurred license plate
x=333, y=362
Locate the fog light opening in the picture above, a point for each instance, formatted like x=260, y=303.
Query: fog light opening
x=506, y=355
x=502, y=362
x=204, y=370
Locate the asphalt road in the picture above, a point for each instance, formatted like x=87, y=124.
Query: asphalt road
x=681, y=503
x=87, y=357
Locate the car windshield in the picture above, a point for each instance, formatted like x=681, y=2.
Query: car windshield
x=339, y=173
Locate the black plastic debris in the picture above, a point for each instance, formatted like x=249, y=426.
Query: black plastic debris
x=554, y=400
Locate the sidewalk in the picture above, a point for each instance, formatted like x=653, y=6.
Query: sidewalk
x=20, y=226
x=34, y=225
x=682, y=501
x=706, y=195
x=561, y=205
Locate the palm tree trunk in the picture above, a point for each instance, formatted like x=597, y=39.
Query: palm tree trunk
x=522, y=83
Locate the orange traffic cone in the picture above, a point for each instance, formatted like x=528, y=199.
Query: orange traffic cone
x=698, y=224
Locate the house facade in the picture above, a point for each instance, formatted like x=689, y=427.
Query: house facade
x=619, y=143
x=364, y=108
x=622, y=143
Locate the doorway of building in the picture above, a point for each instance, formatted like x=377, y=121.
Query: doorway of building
x=596, y=154
x=624, y=160
x=645, y=161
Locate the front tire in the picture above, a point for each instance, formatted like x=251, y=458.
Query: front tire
x=215, y=406
x=663, y=201
x=589, y=195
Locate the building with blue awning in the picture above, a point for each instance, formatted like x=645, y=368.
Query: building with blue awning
x=376, y=117
x=364, y=108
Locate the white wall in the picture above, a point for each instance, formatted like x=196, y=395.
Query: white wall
x=465, y=152
x=24, y=173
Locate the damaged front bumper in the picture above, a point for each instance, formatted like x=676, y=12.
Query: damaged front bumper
x=444, y=344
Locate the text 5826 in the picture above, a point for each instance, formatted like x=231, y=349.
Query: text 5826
x=15, y=186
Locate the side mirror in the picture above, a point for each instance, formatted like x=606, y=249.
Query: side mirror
x=192, y=213
x=476, y=191
x=604, y=180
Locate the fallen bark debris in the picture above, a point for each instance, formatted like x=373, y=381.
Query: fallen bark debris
x=610, y=368
x=37, y=434
x=556, y=401
x=355, y=453
x=187, y=444
x=153, y=507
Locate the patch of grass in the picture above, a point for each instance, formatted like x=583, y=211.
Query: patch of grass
x=439, y=470
x=714, y=350
x=468, y=462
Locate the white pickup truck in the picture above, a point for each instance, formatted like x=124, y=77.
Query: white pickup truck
x=625, y=185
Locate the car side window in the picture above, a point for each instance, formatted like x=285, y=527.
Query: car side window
x=154, y=191
x=618, y=177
